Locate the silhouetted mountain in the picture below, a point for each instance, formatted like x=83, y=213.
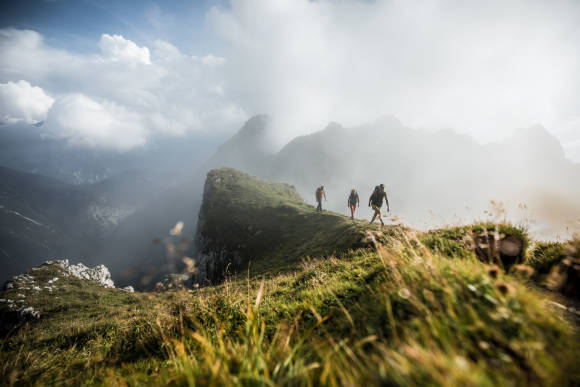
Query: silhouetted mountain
x=428, y=174
x=247, y=149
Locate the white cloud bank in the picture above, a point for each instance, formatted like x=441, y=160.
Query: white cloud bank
x=481, y=67
x=22, y=102
x=117, y=48
x=118, y=99
x=484, y=68
x=88, y=122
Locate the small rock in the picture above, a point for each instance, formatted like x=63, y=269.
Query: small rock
x=99, y=274
x=29, y=313
x=128, y=289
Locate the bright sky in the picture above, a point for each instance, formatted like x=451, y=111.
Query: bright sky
x=118, y=74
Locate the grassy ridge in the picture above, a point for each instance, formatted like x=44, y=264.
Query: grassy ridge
x=399, y=315
x=268, y=224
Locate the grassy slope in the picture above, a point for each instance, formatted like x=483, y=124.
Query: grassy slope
x=269, y=224
x=402, y=314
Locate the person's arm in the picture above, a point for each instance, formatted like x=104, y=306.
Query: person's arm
x=357, y=201
x=370, y=200
x=387, y=200
x=324, y=193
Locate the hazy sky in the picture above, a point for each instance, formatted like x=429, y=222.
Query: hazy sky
x=117, y=74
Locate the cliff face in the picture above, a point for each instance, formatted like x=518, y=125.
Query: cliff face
x=249, y=223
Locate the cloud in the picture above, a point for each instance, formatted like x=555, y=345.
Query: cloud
x=126, y=95
x=87, y=122
x=117, y=48
x=22, y=102
x=484, y=68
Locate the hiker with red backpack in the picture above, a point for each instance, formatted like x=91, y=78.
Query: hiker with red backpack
x=319, y=195
x=353, y=202
x=376, y=201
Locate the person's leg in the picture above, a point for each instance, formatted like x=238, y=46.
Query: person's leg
x=374, y=215
x=378, y=214
x=319, y=208
x=352, y=208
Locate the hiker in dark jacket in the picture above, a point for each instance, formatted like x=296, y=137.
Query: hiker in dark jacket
x=376, y=201
x=319, y=195
x=353, y=202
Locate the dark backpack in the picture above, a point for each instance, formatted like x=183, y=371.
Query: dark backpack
x=377, y=198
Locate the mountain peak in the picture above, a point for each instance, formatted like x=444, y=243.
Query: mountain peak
x=255, y=126
x=388, y=121
x=247, y=147
x=333, y=126
x=539, y=141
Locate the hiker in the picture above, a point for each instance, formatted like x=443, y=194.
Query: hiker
x=353, y=202
x=319, y=195
x=376, y=200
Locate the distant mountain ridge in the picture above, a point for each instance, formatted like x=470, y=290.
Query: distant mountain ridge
x=442, y=173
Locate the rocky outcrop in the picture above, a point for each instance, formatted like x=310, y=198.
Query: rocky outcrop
x=99, y=274
x=213, y=254
x=19, y=299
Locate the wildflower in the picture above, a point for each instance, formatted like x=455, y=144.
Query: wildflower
x=189, y=264
x=523, y=271
x=493, y=271
x=505, y=288
x=176, y=230
x=159, y=287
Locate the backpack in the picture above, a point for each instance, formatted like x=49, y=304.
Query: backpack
x=353, y=198
x=318, y=193
x=377, y=198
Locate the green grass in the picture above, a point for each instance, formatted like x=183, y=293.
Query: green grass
x=270, y=226
x=459, y=242
x=414, y=309
x=399, y=315
x=545, y=255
